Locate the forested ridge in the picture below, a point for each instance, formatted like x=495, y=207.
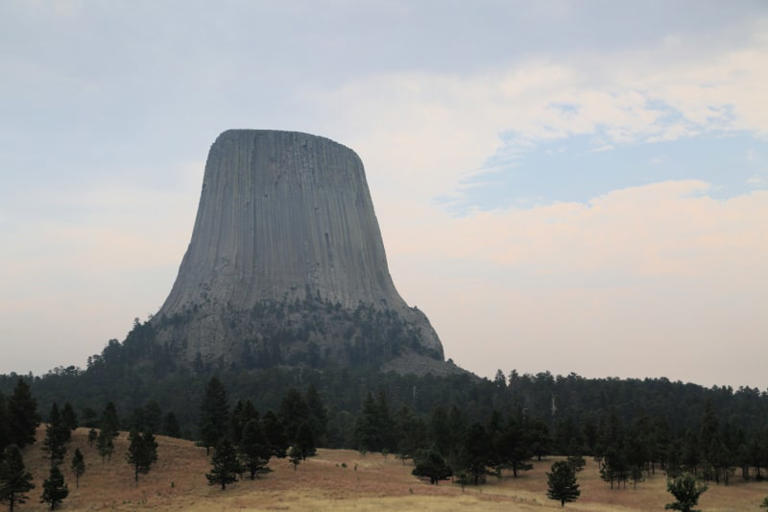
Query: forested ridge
x=139, y=371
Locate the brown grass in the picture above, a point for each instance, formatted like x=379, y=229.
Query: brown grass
x=177, y=482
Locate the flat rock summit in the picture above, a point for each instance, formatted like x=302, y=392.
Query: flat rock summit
x=286, y=264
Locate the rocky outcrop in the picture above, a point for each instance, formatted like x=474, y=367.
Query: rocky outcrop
x=286, y=222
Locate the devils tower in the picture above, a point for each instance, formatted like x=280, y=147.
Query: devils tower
x=286, y=264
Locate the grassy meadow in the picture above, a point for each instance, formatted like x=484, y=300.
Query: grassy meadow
x=370, y=482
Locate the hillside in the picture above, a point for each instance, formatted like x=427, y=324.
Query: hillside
x=370, y=482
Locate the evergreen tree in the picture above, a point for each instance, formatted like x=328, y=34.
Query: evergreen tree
x=214, y=414
x=368, y=429
x=93, y=434
x=561, y=483
x=78, y=466
x=56, y=436
x=294, y=455
x=293, y=412
x=54, y=488
x=15, y=481
x=318, y=416
x=305, y=441
x=515, y=449
x=440, y=433
x=105, y=445
x=254, y=448
x=275, y=434
x=412, y=432
x=4, y=431
x=153, y=417
x=225, y=466
x=241, y=415
x=171, y=426
x=431, y=464
x=110, y=423
x=686, y=491
x=68, y=417
x=22, y=415
x=142, y=452
x=476, y=452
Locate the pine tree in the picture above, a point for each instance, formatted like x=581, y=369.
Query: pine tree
x=431, y=464
x=225, y=466
x=561, y=483
x=142, y=452
x=15, y=481
x=214, y=414
x=4, y=432
x=105, y=445
x=78, y=466
x=294, y=455
x=171, y=426
x=22, y=415
x=293, y=412
x=54, y=488
x=153, y=417
x=254, y=448
x=93, y=434
x=275, y=434
x=305, y=441
x=686, y=491
x=56, y=436
x=68, y=417
x=318, y=416
x=110, y=423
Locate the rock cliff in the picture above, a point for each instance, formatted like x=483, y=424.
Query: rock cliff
x=286, y=263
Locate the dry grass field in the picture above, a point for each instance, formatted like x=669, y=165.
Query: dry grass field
x=177, y=482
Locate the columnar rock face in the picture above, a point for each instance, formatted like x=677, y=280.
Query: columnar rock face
x=285, y=218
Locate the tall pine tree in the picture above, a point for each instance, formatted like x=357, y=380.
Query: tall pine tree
x=15, y=480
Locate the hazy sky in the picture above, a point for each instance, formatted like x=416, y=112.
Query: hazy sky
x=573, y=186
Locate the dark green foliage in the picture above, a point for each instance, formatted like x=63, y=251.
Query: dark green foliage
x=171, y=426
x=93, y=435
x=153, y=417
x=254, y=448
x=293, y=413
x=412, y=433
x=275, y=434
x=78, y=466
x=243, y=412
x=15, y=481
x=294, y=455
x=318, y=415
x=515, y=449
x=4, y=431
x=142, y=452
x=561, y=483
x=476, y=453
x=225, y=466
x=214, y=414
x=110, y=423
x=90, y=418
x=22, y=415
x=68, y=417
x=430, y=464
x=686, y=490
x=305, y=441
x=105, y=445
x=57, y=434
x=375, y=429
x=54, y=488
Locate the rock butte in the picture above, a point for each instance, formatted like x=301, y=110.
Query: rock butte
x=284, y=218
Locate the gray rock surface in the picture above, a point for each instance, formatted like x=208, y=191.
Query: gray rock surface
x=283, y=216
